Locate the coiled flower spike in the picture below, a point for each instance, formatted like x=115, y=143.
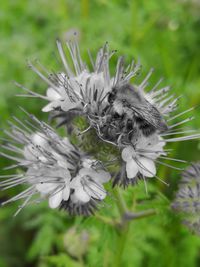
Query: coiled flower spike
x=140, y=124
x=187, y=200
x=55, y=169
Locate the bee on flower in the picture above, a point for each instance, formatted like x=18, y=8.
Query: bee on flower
x=139, y=122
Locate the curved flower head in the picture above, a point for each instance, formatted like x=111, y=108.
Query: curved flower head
x=188, y=196
x=191, y=174
x=55, y=169
x=82, y=89
x=135, y=120
x=187, y=199
x=71, y=93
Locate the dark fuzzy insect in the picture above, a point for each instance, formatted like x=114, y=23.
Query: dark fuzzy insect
x=128, y=102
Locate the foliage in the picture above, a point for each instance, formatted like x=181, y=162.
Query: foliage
x=163, y=35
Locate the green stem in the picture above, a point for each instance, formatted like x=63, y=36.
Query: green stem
x=106, y=220
x=139, y=215
x=81, y=261
x=126, y=217
x=123, y=230
x=120, y=201
x=123, y=233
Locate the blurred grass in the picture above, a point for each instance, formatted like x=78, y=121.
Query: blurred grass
x=164, y=35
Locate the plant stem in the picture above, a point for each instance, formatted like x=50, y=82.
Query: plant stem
x=120, y=201
x=126, y=217
x=106, y=220
x=122, y=230
x=123, y=233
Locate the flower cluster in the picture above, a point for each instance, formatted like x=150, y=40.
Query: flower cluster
x=187, y=198
x=55, y=169
x=138, y=124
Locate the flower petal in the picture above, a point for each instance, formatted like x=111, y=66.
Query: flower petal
x=55, y=199
x=87, y=163
x=51, y=106
x=67, y=143
x=46, y=188
x=96, y=191
x=86, y=171
x=76, y=182
x=101, y=176
x=131, y=169
x=30, y=153
x=74, y=199
x=67, y=104
x=127, y=153
x=147, y=167
x=39, y=139
x=81, y=195
x=65, y=193
x=52, y=94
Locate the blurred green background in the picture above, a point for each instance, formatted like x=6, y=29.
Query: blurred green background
x=162, y=34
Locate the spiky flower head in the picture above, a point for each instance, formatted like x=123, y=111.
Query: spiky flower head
x=187, y=199
x=138, y=123
x=55, y=169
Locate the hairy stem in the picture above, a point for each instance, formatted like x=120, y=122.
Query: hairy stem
x=120, y=201
x=106, y=220
x=122, y=230
x=126, y=217
x=123, y=233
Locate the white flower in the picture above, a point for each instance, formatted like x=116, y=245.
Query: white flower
x=70, y=92
x=141, y=159
x=83, y=89
x=136, y=122
x=136, y=164
x=39, y=148
x=58, y=189
x=87, y=91
x=54, y=185
x=89, y=184
x=59, y=96
x=55, y=169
